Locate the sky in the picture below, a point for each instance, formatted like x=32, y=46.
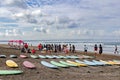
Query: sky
x=59, y=19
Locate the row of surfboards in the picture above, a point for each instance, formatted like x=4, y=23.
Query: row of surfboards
x=77, y=63
x=67, y=63
x=55, y=64
x=50, y=56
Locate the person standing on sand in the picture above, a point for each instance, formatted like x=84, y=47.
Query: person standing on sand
x=70, y=48
x=95, y=49
x=116, y=50
x=73, y=48
x=100, y=49
x=85, y=49
x=40, y=46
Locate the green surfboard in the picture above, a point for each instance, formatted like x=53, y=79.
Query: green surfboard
x=58, y=64
x=66, y=63
x=10, y=72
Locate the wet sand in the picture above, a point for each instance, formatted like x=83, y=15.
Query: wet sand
x=73, y=73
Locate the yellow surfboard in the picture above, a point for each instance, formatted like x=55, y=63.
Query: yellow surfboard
x=112, y=62
x=78, y=64
x=108, y=62
x=11, y=63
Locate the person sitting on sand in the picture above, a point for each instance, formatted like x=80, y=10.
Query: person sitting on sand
x=28, y=51
x=22, y=50
x=33, y=51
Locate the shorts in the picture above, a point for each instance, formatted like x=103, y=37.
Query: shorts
x=95, y=51
x=85, y=50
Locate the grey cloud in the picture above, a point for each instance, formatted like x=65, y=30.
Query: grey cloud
x=41, y=29
x=14, y=3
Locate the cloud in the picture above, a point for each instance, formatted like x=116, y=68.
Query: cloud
x=84, y=18
x=116, y=33
x=88, y=32
x=13, y=32
x=41, y=29
x=13, y=3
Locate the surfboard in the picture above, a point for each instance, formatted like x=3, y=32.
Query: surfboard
x=2, y=56
x=10, y=72
x=89, y=63
x=107, y=63
x=69, y=64
x=13, y=56
x=87, y=57
x=61, y=57
x=58, y=64
x=49, y=56
x=112, y=62
x=34, y=56
x=67, y=57
x=78, y=61
x=98, y=63
x=42, y=56
x=117, y=62
x=11, y=63
x=55, y=57
x=47, y=64
x=74, y=57
x=78, y=64
x=80, y=56
x=28, y=64
x=23, y=56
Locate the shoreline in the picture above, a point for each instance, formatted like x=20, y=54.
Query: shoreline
x=78, y=51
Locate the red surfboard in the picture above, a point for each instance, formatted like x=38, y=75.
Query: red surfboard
x=29, y=65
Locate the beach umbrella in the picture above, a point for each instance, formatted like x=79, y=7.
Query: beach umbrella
x=21, y=41
x=16, y=41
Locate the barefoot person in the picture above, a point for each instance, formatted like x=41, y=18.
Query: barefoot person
x=85, y=49
x=116, y=50
x=100, y=49
x=95, y=49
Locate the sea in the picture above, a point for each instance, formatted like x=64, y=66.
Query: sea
x=107, y=44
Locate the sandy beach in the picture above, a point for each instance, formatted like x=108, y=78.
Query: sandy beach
x=72, y=73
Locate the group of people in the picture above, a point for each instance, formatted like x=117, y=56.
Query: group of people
x=62, y=48
x=96, y=49
x=57, y=48
x=49, y=48
x=26, y=49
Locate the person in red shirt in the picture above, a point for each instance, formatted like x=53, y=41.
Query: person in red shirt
x=33, y=51
x=26, y=47
x=40, y=47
